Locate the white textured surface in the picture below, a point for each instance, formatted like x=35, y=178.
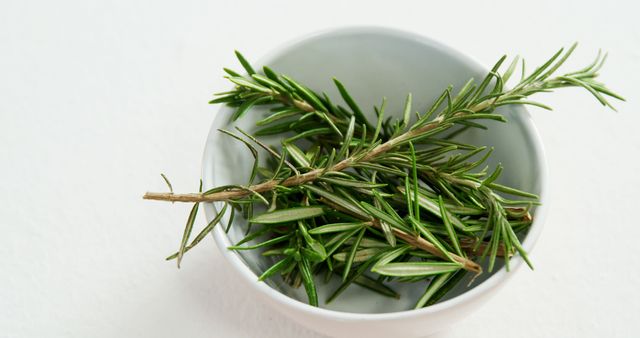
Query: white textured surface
x=97, y=98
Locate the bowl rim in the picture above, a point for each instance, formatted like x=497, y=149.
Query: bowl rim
x=498, y=277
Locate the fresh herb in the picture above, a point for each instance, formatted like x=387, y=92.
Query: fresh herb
x=384, y=200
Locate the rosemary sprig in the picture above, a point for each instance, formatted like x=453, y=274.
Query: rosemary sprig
x=392, y=198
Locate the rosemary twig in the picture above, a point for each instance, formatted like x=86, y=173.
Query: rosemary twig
x=395, y=197
x=445, y=120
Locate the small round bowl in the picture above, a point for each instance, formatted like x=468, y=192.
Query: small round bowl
x=375, y=63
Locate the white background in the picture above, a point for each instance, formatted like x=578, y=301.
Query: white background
x=98, y=98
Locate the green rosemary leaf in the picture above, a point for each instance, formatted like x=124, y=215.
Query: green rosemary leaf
x=542, y=68
x=431, y=206
x=327, y=102
x=448, y=285
x=559, y=63
x=483, y=85
x=479, y=116
x=352, y=183
x=414, y=173
x=516, y=243
x=187, y=231
x=588, y=87
x=453, y=237
x=313, y=255
x=359, y=272
x=307, y=134
x=408, y=200
x=344, y=149
x=315, y=246
x=208, y=228
x=467, y=124
x=494, y=176
x=332, y=125
x=389, y=256
x=306, y=94
x=388, y=233
x=253, y=150
x=357, y=113
x=166, y=180
x=381, y=202
x=231, y=72
x=380, y=168
x=414, y=138
x=524, y=102
x=507, y=74
x=242, y=82
x=459, y=159
x=511, y=191
x=273, y=252
x=352, y=255
x=231, y=217
x=247, y=105
x=265, y=81
x=433, y=286
x=380, y=114
x=278, y=116
x=600, y=88
x=252, y=193
x=282, y=157
x=297, y=154
x=372, y=243
x=265, y=172
x=245, y=64
x=330, y=161
x=423, y=254
x=382, y=216
x=449, y=109
x=266, y=243
x=338, y=241
x=336, y=227
x=275, y=268
x=225, y=99
x=434, y=107
x=506, y=242
x=469, y=166
x=443, y=186
x=494, y=243
x=202, y=233
x=309, y=284
x=287, y=215
x=360, y=255
x=342, y=202
x=253, y=235
x=407, y=112
x=424, y=231
x=464, y=93
x=414, y=269
x=376, y=286
x=271, y=74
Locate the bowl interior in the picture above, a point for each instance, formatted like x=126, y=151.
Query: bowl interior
x=372, y=64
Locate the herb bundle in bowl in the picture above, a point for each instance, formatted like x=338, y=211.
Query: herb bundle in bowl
x=342, y=195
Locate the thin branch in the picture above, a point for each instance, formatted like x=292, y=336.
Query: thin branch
x=417, y=242
x=293, y=180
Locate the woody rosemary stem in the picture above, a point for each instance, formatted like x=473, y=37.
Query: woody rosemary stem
x=293, y=180
x=413, y=240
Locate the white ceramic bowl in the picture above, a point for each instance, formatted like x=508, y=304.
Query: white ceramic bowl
x=375, y=63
